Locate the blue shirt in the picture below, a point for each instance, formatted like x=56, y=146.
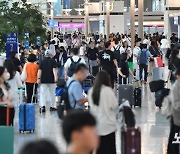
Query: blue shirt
x=75, y=93
x=148, y=55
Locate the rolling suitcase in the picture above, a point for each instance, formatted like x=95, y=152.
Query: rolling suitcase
x=158, y=73
x=6, y=115
x=126, y=93
x=131, y=141
x=6, y=140
x=27, y=116
x=137, y=97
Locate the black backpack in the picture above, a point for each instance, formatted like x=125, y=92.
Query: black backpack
x=72, y=67
x=64, y=105
x=129, y=117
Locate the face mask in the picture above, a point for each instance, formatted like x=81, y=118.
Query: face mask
x=6, y=76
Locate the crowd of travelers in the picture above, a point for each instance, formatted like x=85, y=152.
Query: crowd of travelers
x=70, y=59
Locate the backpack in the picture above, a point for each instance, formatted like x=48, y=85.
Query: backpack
x=64, y=104
x=143, y=57
x=129, y=117
x=117, y=52
x=72, y=67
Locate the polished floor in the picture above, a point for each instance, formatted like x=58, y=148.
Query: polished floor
x=154, y=128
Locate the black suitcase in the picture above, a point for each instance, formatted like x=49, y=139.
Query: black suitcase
x=160, y=95
x=137, y=97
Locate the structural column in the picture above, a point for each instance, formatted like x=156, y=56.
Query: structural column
x=86, y=8
x=132, y=10
x=107, y=18
x=140, y=18
x=52, y=18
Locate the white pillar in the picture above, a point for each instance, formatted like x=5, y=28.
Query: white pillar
x=86, y=4
x=179, y=31
x=140, y=18
x=132, y=10
x=52, y=18
x=108, y=19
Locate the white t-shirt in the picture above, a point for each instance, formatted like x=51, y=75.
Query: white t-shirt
x=75, y=59
x=105, y=113
x=135, y=52
x=164, y=43
x=63, y=44
x=56, y=40
x=15, y=83
x=127, y=50
x=117, y=47
x=52, y=49
x=82, y=50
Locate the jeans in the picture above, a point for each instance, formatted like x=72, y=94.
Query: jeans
x=61, y=72
x=92, y=63
x=143, y=67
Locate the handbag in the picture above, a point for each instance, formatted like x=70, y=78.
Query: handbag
x=24, y=74
x=167, y=107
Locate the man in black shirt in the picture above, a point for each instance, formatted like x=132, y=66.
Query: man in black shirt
x=92, y=54
x=47, y=78
x=108, y=62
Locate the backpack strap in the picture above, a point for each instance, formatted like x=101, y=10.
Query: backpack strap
x=74, y=61
x=68, y=92
x=78, y=60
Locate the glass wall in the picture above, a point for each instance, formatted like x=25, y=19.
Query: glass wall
x=158, y=5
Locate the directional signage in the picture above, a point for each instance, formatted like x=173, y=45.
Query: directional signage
x=11, y=43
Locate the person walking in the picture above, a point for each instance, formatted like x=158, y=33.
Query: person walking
x=31, y=80
x=61, y=58
x=92, y=54
x=75, y=89
x=108, y=62
x=47, y=78
x=103, y=105
x=143, y=57
x=14, y=81
x=174, y=99
x=70, y=64
x=124, y=70
x=136, y=50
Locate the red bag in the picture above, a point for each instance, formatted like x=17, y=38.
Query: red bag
x=6, y=115
x=131, y=141
x=158, y=62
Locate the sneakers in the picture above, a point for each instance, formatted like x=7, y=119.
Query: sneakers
x=42, y=109
x=53, y=109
